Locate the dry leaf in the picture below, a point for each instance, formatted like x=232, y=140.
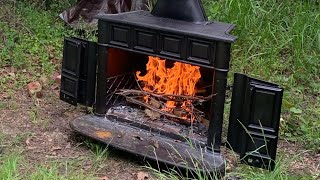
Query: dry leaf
x=12, y=74
x=34, y=88
x=43, y=80
x=31, y=147
x=55, y=87
x=28, y=142
x=39, y=94
x=103, y=178
x=152, y=114
x=205, y=122
x=56, y=77
x=155, y=103
x=68, y=146
x=87, y=165
x=56, y=148
x=142, y=176
x=5, y=95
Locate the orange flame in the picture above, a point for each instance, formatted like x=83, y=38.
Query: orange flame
x=181, y=79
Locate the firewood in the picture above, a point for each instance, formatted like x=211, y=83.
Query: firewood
x=179, y=112
x=152, y=114
x=155, y=103
x=177, y=98
x=138, y=102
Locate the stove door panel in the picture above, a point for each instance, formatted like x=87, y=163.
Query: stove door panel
x=78, y=74
x=254, y=120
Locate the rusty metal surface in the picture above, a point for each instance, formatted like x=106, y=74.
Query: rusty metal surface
x=151, y=146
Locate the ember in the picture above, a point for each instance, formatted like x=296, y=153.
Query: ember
x=181, y=79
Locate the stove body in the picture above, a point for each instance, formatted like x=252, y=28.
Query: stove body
x=124, y=43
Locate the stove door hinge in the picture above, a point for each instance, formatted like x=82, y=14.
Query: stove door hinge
x=254, y=121
x=78, y=76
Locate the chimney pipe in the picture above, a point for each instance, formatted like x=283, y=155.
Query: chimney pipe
x=185, y=10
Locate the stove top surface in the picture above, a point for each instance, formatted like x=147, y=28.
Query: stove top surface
x=209, y=30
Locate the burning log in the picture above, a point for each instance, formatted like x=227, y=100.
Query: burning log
x=167, y=97
x=156, y=103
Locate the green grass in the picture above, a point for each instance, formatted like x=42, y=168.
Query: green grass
x=31, y=41
x=100, y=154
x=280, y=172
x=8, y=167
x=13, y=167
x=244, y=172
x=279, y=41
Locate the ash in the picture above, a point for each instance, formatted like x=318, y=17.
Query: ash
x=134, y=114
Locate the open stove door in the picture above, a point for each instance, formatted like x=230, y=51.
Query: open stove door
x=254, y=121
x=78, y=76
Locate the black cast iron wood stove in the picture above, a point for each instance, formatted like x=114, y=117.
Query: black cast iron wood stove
x=179, y=32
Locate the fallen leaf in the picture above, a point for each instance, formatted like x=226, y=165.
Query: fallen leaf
x=56, y=77
x=31, y=147
x=34, y=87
x=142, y=176
x=12, y=74
x=68, y=146
x=55, y=87
x=205, y=122
x=39, y=94
x=43, y=80
x=103, y=178
x=155, y=103
x=28, y=142
x=87, y=165
x=56, y=148
x=5, y=95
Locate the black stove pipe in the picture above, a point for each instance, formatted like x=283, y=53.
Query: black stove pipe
x=185, y=10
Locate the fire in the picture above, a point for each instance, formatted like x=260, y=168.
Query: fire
x=181, y=79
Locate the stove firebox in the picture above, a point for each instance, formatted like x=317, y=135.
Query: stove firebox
x=135, y=109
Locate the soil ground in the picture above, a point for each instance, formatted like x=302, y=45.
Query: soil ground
x=39, y=128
